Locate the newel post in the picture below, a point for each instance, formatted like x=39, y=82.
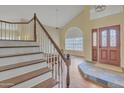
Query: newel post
x=68, y=70
x=35, y=19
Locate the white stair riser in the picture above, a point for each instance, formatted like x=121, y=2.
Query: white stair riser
x=19, y=71
x=17, y=43
x=18, y=59
x=34, y=81
x=10, y=51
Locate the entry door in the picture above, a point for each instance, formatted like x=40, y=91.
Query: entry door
x=94, y=45
x=109, y=48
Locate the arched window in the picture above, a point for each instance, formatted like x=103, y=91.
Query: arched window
x=74, y=39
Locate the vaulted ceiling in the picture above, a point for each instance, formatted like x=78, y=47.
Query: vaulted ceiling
x=46, y=13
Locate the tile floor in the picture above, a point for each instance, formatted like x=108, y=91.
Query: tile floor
x=77, y=81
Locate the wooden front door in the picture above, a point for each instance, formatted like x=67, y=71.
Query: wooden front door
x=109, y=45
x=94, y=45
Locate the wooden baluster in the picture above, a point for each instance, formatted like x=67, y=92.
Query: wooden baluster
x=41, y=45
x=5, y=32
x=17, y=29
x=50, y=50
x=44, y=46
x=25, y=31
x=16, y=35
x=47, y=55
x=61, y=78
x=68, y=74
x=20, y=31
x=29, y=30
x=3, y=26
x=59, y=69
x=57, y=66
x=1, y=30
x=9, y=33
x=40, y=39
x=52, y=56
x=52, y=61
x=13, y=31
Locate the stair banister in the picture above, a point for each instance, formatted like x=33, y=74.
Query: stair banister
x=66, y=60
x=54, y=54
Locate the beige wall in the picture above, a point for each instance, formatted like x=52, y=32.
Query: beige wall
x=85, y=24
x=82, y=22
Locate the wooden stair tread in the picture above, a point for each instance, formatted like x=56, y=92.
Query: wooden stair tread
x=19, y=54
x=19, y=46
x=46, y=84
x=24, y=77
x=22, y=64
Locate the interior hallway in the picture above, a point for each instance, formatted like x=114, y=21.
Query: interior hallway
x=77, y=81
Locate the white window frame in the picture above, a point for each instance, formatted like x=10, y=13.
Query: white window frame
x=72, y=43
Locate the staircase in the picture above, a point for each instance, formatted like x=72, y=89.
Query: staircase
x=29, y=58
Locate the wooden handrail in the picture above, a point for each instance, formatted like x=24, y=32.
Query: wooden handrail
x=35, y=19
x=17, y=22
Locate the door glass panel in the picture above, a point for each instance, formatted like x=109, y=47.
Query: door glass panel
x=112, y=38
x=94, y=39
x=104, y=38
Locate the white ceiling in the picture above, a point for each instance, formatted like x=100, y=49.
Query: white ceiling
x=46, y=13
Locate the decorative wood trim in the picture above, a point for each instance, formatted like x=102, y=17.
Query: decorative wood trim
x=108, y=48
x=95, y=48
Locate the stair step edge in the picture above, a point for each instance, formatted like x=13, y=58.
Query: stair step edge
x=22, y=78
x=21, y=64
x=21, y=54
x=49, y=83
